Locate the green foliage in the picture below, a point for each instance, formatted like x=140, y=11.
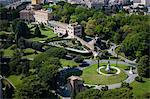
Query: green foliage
x=56, y=52
x=48, y=74
x=97, y=94
x=4, y=25
x=21, y=30
x=79, y=59
x=90, y=27
x=51, y=56
x=37, y=31
x=125, y=85
x=144, y=66
x=89, y=94
x=139, y=79
x=32, y=87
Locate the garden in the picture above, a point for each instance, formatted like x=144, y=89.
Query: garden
x=91, y=76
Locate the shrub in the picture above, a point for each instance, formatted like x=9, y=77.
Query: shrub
x=139, y=79
x=124, y=84
x=78, y=59
x=104, y=88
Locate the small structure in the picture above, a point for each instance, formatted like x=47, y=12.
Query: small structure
x=108, y=67
x=62, y=29
x=75, y=85
x=131, y=71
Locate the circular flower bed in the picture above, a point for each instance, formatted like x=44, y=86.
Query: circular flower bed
x=113, y=71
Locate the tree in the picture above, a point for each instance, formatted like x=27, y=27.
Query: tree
x=14, y=24
x=113, y=94
x=48, y=74
x=32, y=87
x=22, y=30
x=37, y=31
x=144, y=66
x=78, y=59
x=1, y=60
x=124, y=85
x=90, y=27
x=56, y=52
x=73, y=19
x=4, y=25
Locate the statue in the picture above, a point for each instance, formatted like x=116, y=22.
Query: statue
x=108, y=67
x=130, y=72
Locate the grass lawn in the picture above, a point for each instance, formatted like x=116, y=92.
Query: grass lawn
x=69, y=63
x=15, y=79
x=139, y=89
x=8, y=52
x=90, y=76
x=30, y=53
x=46, y=33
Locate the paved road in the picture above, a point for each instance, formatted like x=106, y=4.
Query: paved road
x=112, y=52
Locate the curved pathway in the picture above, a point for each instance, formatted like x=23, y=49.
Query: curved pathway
x=71, y=49
x=113, y=53
x=130, y=78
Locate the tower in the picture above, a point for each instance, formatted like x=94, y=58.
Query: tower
x=36, y=2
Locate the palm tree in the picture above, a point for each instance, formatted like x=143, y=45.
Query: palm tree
x=98, y=59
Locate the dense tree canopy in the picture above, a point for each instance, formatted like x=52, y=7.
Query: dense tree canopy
x=97, y=94
x=144, y=66
x=32, y=87
x=37, y=31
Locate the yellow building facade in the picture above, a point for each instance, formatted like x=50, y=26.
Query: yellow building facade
x=36, y=2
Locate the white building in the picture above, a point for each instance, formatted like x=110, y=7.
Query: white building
x=66, y=29
x=136, y=3
x=89, y=3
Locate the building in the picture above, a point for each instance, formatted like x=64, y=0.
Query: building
x=89, y=3
x=42, y=16
x=74, y=29
x=66, y=29
x=136, y=3
x=34, y=2
x=75, y=85
x=27, y=15
x=94, y=3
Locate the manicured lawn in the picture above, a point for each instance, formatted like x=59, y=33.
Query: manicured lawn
x=139, y=89
x=90, y=76
x=30, y=53
x=46, y=33
x=69, y=63
x=15, y=79
x=8, y=52
x=119, y=65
